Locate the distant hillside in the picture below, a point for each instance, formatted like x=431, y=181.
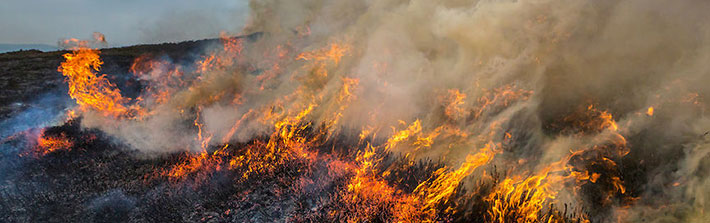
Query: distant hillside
x=16, y=47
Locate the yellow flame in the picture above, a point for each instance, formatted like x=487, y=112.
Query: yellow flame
x=88, y=89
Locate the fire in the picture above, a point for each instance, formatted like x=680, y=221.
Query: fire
x=471, y=119
x=231, y=50
x=422, y=203
x=49, y=144
x=90, y=90
x=607, y=120
x=366, y=193
x=498, y=98
x=334, y=54
x=398, y=136
x=382, y=114
x=286, y=143
x=163, y=79
x=442, y=187
x=203, y=138
x=236, y=126
x=455, y=101
x=344, y=96
x=366, y=190
x=201, y=164
x=523, y=199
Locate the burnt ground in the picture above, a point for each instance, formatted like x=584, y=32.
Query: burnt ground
x=98, y=180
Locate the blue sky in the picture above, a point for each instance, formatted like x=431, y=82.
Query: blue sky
x=124, y=22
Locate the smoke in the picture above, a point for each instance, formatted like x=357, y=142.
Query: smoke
x=98, y=40
x=523, y=67
x=190, y=24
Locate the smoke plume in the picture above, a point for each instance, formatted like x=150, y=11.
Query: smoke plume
x=530, y=76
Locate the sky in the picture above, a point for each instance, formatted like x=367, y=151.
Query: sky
x=124, y=22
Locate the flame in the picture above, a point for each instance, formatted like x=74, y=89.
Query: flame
x=164, y=79
x=440, y=188
x=334, y=53
x=607, y=119
x=92, y=92
x=294, y=135
x=203, y=138
x=368, y=187
x=649, y=111
x=502, y=97
x=49, y=144
x=203, y=163
x=455, y=101
x=231, y=50
x=522, y=199
x=286, y=143
x=368, y=194
x=236, y=126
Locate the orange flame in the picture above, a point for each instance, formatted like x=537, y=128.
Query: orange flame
x=49, y=144
x=202, y=164
x=442, y=187
x=454, y=104
x=334, y=53
x=92, y=92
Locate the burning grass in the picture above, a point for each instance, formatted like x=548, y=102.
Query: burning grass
x=302, y=127
x=365, y=179
x=220, y=183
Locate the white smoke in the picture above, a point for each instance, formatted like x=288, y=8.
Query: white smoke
x=623, y=56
